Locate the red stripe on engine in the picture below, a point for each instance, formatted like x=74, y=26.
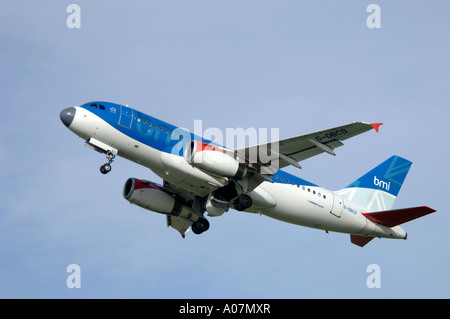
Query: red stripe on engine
x=138, y=184
x=201, y=146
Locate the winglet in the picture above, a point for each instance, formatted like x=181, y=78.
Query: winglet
x=376, y=126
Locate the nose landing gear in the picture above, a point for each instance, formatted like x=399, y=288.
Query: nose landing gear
x=105, y=169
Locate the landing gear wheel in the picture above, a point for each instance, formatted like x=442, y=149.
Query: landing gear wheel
x=203, y=223
x=200, y=226
x=243, y=202
x=195, y=229
x=105, y=169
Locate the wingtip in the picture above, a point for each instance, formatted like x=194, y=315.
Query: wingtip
x=376, y=126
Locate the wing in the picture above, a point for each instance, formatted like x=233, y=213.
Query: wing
x=282, y=153
x=272, y=156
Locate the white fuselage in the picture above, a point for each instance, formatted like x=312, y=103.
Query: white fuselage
x=309, y=206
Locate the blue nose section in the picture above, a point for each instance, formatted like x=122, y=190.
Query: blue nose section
x=67, y=116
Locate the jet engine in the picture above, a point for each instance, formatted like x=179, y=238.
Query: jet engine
x=151, y=196
x=214, y=160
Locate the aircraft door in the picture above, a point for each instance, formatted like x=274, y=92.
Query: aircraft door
x=338, y=205
x=126, y=116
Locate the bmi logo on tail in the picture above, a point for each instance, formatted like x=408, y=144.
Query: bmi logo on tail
x=380, y=183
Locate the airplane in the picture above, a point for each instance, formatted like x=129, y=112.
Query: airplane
x=202, y=178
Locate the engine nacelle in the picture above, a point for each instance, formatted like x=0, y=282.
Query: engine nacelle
x=151, y=196
x=214, y=160
x=216, y=206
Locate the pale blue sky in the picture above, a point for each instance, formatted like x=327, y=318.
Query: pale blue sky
x=299, y=66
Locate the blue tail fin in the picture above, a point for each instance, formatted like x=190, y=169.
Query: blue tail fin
x=378, y=189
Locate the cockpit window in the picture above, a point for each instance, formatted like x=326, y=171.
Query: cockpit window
x=101, y=107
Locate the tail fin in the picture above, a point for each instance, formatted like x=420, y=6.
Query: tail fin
x=378, y=189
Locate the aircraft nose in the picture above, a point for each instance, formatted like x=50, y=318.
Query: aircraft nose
x=67, y=116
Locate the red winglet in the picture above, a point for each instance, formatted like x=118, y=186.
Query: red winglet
x=376, y=126
x=391, y=218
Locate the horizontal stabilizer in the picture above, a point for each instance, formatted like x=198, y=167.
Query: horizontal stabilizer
x=391, y=218
x=360, y=241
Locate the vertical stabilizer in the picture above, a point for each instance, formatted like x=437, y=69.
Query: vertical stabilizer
x=378, y=189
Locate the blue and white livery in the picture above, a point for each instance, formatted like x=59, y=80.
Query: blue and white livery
x=201, y=178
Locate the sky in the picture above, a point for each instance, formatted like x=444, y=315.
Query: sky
x=299, y=66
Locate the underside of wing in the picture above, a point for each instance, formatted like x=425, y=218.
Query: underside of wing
x=293, y=150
